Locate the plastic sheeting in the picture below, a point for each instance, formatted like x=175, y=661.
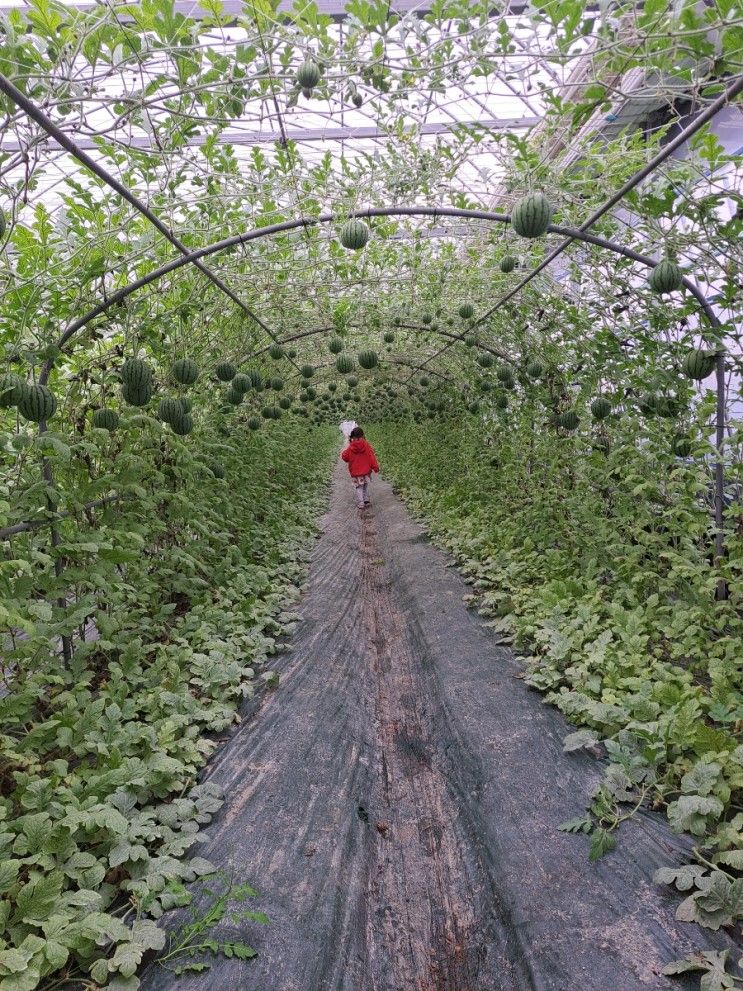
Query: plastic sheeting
x=396, y=802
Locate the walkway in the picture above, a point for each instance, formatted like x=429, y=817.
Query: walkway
x=396, y=802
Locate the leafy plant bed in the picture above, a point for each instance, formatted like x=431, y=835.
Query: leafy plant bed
x=611, y=596
x=189, y=586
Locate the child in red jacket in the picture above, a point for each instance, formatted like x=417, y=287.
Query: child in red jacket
x=361, y=461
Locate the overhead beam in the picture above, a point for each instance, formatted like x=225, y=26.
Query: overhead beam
x=232, y=136
x=234, y=10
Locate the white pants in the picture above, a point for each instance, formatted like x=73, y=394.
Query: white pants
x=362, y=492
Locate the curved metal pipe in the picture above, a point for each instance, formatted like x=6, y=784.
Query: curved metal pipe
x=402, y=326
x=392, y=361
x=325, y=218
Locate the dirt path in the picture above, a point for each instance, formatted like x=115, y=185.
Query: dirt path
x=396, y=802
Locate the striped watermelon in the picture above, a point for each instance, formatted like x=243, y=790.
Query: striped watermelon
x=106, y=419
x=182, y=424
x=344, y=364
x=682, y=446
x=665, y=277
x=600, y=408
x=170, y=409
x=12, y=388
x=698, y=364
x=504, y=373
x=569, y=420
x=648, y=404
x=136, y=374
x=226, y=371
x=508, y=264
x=308, y=76
x=531, y=215
x=368, y=359
x=241, y=383
x=137, y=395
x=185, y=371
x=466, y=311
x=37, y=403
x=354, y=235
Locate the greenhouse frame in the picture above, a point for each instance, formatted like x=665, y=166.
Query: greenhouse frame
x=371, y=456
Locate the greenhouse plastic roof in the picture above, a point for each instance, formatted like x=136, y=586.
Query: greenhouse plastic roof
x=197, y=109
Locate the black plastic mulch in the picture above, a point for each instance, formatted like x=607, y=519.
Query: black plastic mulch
x=396, y=802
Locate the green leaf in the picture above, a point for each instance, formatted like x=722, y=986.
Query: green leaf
x=8, y=873
x=602, y=842
x=690, y=813
x=731, y=858
x=581, y=824
x=579, y=740
x=719, y=902
x=684, y=878
x=191, y=968
x=56, y=954
x=702, y=778
x=127, y=958
x=36, y=899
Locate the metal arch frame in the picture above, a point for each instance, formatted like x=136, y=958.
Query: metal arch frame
x=401, y=326
x=367, y=213
x=392, y=361
x=421, y=211
x=307, y=135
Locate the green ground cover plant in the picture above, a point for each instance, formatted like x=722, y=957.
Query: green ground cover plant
x=176, y=599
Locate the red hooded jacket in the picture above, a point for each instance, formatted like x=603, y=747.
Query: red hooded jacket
x=360, y=457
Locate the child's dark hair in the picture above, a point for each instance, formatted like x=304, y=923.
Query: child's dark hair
x=357, y=433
